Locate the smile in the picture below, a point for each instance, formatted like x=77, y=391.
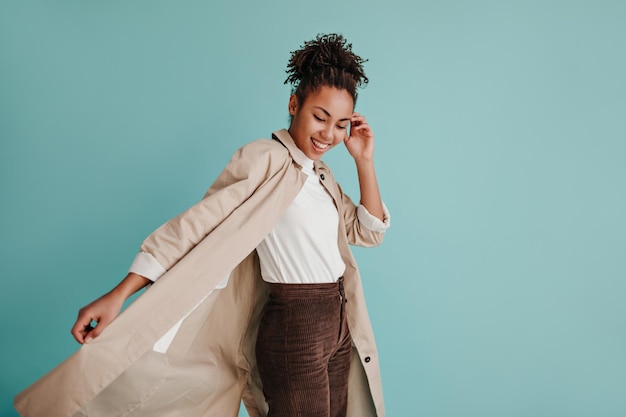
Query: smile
x=320, y=145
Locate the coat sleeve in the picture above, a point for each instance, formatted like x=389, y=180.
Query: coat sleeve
x=248, y=169
x=362, y=228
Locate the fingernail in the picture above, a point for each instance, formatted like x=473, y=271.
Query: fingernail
x=89, y=339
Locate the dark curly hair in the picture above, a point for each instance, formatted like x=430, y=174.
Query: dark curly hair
x=327, y=60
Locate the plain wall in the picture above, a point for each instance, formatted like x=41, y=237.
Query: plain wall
x=500, y=148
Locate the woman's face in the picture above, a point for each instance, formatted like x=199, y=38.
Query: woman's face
x=321, y=122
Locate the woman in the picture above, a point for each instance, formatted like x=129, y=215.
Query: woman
x=274, y=212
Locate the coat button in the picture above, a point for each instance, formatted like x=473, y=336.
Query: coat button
x=322, y=177
x=367, y=359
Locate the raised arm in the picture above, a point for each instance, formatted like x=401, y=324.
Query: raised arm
x=360, y=145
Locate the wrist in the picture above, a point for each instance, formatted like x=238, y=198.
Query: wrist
x=129, y=285
x=120, y=293
x=364, y=162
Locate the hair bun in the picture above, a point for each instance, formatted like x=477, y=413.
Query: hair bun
x=325, y=54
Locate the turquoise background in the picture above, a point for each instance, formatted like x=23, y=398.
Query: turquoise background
x=501, y=152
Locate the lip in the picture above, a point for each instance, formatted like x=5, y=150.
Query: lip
x=314, y=142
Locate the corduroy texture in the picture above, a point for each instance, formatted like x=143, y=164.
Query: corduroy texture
x=303, y=350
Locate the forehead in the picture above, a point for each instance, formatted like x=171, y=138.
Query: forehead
x=337, y=103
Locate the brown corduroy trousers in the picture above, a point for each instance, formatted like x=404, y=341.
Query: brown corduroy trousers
x=303, y=350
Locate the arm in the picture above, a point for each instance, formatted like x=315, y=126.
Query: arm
x=106, y=308
x=368, y=185
x=246, y=171
x=362, y=228
x=173, y=240
x=365, y=224
x=360, y=144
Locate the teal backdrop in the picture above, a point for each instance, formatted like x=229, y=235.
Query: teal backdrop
x=500, y=289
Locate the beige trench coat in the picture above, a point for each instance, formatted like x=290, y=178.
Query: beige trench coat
x=210, y=365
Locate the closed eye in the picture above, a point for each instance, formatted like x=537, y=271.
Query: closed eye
x=319, y=119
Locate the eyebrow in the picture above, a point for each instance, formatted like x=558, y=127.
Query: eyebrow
x=328, y=114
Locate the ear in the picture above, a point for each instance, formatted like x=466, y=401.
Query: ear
x=293, y=104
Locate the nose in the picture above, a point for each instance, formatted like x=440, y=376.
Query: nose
x=328, y=132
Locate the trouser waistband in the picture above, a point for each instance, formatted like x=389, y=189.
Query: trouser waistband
x=299, y=291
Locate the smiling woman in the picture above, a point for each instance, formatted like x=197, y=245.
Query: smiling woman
x=286, y=342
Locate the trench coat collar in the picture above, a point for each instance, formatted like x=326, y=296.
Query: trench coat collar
x=297, y=155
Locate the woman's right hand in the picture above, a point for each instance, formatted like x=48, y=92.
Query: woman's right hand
x=106, y=308
x=102, y=311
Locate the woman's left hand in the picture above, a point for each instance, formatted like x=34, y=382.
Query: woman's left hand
x=360, y=140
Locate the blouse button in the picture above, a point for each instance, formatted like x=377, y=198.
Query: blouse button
x=367, y=359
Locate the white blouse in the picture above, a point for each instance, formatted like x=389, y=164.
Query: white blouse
x=302, y=248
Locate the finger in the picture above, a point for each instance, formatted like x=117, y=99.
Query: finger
x=356, y=117
x=81, y=332
x=359, y=128
x=81, y=326
x=95, y=332
x=361, y=120
x=356, y=126
x=361, y=125
x=356, y=122
x=78, y=336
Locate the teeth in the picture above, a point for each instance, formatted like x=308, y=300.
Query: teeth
x=320, y=144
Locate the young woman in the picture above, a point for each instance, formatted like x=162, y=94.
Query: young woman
x=256, y=294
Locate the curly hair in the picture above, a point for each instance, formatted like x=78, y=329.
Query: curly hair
x=327, y=60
